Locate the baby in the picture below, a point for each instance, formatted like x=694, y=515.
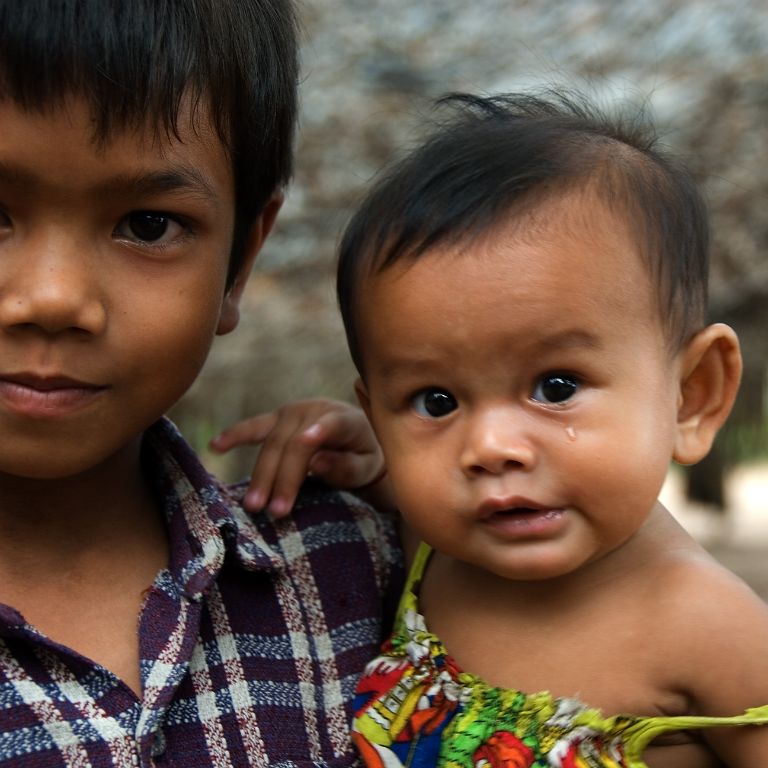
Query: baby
x=524, y=297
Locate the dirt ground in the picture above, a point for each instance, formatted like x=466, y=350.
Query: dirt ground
x=738, y=538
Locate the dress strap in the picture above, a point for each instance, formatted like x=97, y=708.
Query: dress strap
x=419, y=566
x=410, y=597
x=642, y=732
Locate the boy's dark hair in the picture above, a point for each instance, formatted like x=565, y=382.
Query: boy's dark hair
x=494, y=156
x=135, y=60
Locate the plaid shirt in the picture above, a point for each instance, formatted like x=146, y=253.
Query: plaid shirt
x=251, y=640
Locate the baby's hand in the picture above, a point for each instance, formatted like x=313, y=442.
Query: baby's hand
x=328, y=438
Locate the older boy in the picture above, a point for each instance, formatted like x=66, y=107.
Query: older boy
x=145, y=619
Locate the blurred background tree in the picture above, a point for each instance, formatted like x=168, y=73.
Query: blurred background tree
x=371, y=71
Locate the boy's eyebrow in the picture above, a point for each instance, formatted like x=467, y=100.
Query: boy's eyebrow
x=178, y=178
x=13, y=174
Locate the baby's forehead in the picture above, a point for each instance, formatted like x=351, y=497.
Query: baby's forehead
x=552, y=252
x=575, y=234
x=442, y=195
x=583, y=212
x=562, y=293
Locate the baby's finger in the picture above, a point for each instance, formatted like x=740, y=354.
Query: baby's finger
x=247, y=432
x=291, y=474
x=281, y=466
x=343, y=430
x=342, y=469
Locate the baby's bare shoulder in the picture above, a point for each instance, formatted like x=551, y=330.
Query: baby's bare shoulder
x=716, y=635
x=705, y=592
x=724, y=654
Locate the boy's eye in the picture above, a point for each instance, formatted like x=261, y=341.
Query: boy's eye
x=149, y=227
x=434, y=403
x=555, y=388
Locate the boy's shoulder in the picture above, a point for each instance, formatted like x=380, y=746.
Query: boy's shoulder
x=324, y=523
x=327, y=529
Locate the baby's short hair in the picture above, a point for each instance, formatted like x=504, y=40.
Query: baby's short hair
x=136, y=61
x=495, y=156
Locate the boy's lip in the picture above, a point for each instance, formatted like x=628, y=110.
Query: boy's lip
x=46, y=382
x=46, y=395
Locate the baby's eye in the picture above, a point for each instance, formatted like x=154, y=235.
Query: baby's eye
x=555, y=388
x=434, y=403
x=152, y=227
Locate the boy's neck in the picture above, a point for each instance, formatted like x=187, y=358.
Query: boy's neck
x=47, y=521
x=95, y=544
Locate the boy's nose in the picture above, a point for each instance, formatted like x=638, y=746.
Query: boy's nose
x=496, y=442
x=46, y=283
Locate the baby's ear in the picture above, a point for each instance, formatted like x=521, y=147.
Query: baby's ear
x=229, y=316
x=710, y=371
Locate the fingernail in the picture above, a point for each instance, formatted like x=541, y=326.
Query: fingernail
x=254, y=500
x=278, y=507
x=312, y=431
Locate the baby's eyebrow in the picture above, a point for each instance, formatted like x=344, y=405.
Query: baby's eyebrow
x=570, y=339
x=403, y=364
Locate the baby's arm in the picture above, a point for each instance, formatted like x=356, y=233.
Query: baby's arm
x=328, y=438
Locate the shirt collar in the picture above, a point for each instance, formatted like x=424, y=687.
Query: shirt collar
x=205, y=519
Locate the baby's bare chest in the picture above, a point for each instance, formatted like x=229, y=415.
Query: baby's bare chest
x=613, y=673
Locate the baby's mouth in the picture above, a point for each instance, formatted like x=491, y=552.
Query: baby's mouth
x=521, y=518
x=526, y=512
x=510, y=506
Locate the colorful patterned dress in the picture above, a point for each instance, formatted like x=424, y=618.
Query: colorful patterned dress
x=415, y=707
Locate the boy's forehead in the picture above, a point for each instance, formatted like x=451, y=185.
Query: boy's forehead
x=155, y=131
x=187, y=154
x=162, y=113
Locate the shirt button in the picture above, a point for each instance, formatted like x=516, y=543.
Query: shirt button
x=158, y=744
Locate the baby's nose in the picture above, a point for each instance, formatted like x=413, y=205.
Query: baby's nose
x=497, y=442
